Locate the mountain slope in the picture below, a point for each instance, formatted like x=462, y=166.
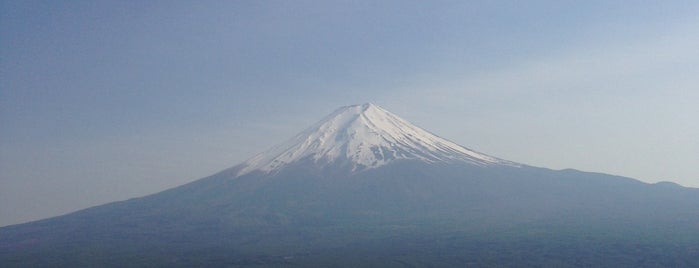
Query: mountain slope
x=366, y=188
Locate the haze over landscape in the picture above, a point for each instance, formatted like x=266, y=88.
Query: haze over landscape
x=105, y=101
x=365, y=188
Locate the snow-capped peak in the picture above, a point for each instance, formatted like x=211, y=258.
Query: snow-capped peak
x=364, y=136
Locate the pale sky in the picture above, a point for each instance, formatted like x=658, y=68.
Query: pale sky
x=107, y=100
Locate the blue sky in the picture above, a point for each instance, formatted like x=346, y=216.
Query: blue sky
x=108, y=100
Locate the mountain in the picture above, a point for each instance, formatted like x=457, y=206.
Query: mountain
x=364, y=187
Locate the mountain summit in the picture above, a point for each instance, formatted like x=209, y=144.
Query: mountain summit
x=361, y=137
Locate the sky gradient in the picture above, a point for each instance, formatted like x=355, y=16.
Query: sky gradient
x=107, y=100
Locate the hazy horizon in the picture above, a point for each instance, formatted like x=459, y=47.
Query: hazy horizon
x=105, y=101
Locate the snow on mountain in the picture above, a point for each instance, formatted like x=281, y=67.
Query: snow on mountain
x=365, y=136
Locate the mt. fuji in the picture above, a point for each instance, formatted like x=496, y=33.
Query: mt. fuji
x=362, y=137
x=365, y=188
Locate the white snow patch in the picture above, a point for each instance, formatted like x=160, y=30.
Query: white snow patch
x=368, y=136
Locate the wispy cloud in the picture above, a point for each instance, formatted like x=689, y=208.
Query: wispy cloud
x=629, y=100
